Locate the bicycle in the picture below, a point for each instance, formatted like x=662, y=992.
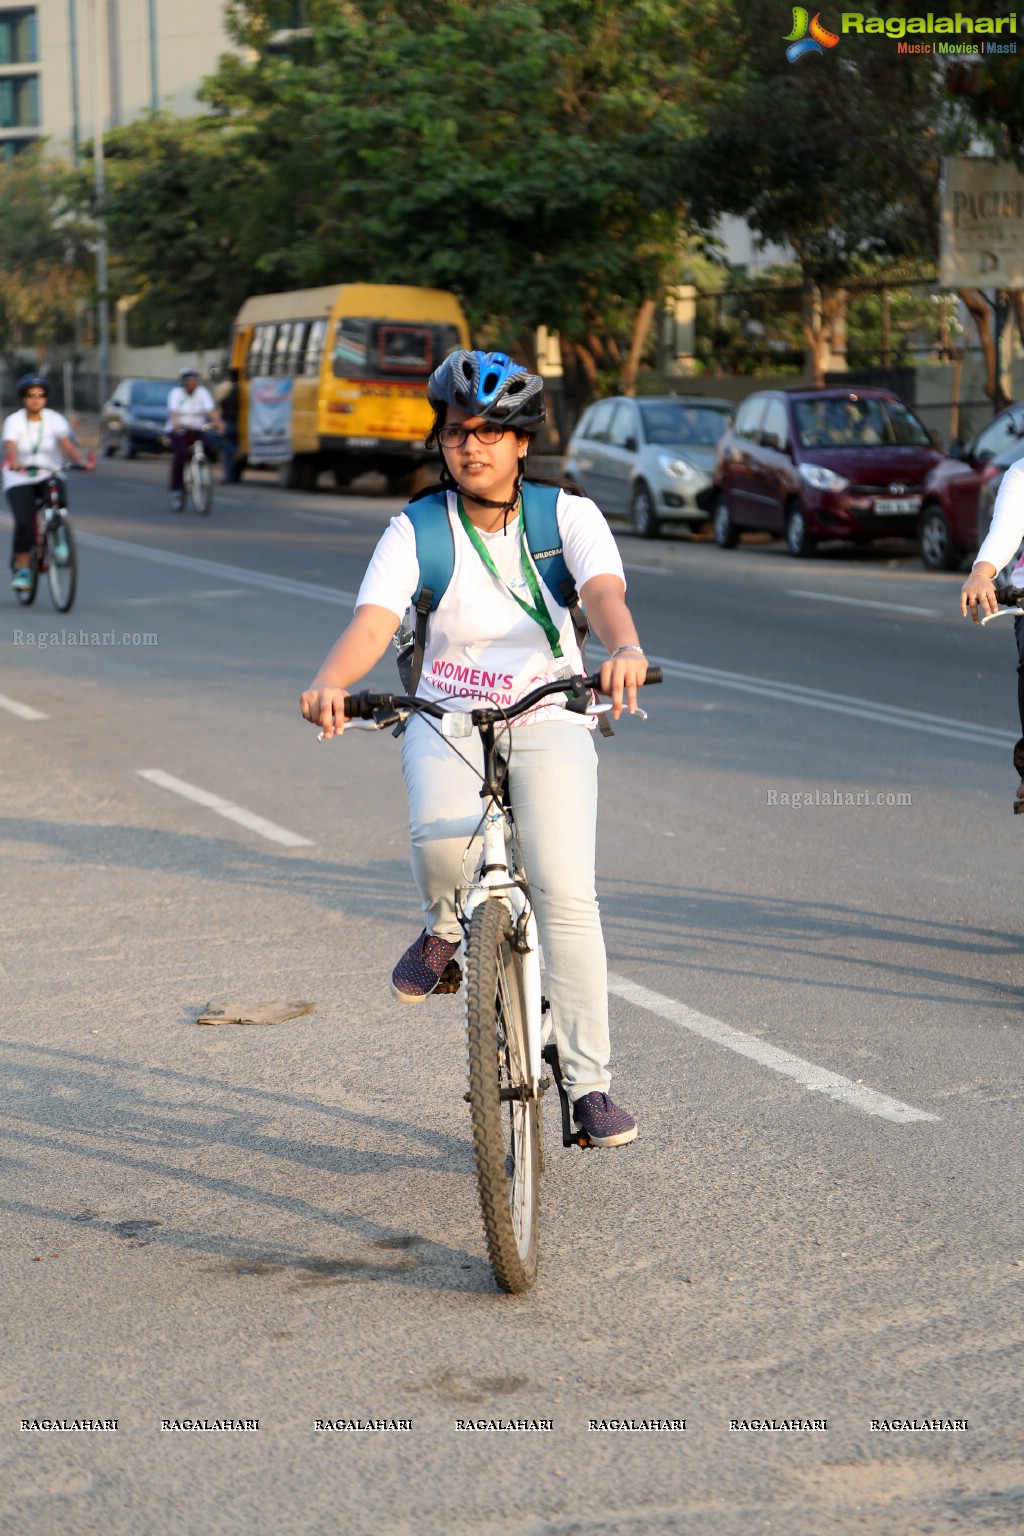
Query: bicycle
x=197, y=478
x=53, y=551
x=504, y=1006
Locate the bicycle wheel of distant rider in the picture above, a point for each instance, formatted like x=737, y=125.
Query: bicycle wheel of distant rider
x=62, y=568
x=506, y=1124
x=27, y=597
x=201, y=486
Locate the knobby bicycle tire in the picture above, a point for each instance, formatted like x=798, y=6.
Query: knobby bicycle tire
x=506, y=1136
x=28, y=597
x=62, y=575
x=201, y=486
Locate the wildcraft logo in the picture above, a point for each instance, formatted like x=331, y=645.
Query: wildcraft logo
x=808, y=38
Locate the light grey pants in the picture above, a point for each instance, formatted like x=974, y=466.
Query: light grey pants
x=553, y=782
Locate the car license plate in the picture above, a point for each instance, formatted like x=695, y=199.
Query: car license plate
x=893, y=507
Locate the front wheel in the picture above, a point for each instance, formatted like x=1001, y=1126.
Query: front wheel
x=201, y=484
x=642, y=518
x=61, y=565
x=725, y=531
x=798, y=540
x=505, y=1121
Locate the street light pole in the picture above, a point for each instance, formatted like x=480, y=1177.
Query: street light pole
x=99, y=13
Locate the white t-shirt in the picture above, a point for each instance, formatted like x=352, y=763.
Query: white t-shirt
x=191, y=410
x=36, y=446
x=481, y=647
x=1007, y=529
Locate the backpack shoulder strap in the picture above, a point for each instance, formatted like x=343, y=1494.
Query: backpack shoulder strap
x=544, y=541
x=435, y=554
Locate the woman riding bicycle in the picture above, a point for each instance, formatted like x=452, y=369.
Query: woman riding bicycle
x=190, y=408
x=497, y=618
x=37, y=443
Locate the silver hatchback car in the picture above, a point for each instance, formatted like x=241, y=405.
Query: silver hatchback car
x=650, y=459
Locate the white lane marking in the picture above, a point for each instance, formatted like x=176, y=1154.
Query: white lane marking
x=177, y=597
x=652, y=570
x=23, y=711
x=839, y=703
x=321, y=517
x=817, y=1079
x=245, y=578
x=863, y=602
x=268, y=829
x=792, y=693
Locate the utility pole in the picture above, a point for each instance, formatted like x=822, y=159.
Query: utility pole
x=99, y=16
x=154, y=79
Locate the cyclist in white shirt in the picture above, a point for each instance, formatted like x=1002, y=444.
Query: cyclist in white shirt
x=978, y=598
x=37, y=442
x=500, y=630
x=189, y=408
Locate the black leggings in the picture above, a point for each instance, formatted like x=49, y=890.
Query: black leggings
x=22, y=502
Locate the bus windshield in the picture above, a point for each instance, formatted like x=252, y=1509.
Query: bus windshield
x=390, y=349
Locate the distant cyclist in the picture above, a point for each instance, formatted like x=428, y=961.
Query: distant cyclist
x=189, y=408
x=37, y=443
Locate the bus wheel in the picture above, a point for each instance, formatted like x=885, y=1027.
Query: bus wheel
x=342, y=477
x=300, y=473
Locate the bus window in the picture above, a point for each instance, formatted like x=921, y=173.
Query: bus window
x=350, y=348
x=261, y=351
x=314, y=349
x=279, y=364
x=297, y=347
x=404, y=349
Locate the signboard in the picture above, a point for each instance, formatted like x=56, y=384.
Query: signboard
x=270, y=421
x=981, y=225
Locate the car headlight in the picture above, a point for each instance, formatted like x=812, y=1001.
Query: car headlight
x=823, y=479
x=677, y=469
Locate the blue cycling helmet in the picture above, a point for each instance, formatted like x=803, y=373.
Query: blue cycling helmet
x=491, y=385
x=32, y=381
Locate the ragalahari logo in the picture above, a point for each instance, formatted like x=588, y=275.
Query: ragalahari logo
x=800, y=43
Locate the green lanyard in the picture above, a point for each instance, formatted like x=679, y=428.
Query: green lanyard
x=537, y=609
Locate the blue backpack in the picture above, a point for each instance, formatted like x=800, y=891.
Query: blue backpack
x=435, y=551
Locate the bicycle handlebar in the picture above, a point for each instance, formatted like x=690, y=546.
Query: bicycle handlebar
x=368, y=705
x=1009, y=597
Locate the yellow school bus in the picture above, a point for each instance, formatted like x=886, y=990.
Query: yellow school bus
x=336, y=379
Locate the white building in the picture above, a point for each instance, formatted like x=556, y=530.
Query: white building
x=66, y=63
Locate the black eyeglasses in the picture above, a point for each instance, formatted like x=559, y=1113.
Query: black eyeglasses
x=455, y=437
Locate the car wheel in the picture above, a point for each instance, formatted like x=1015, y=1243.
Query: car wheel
x=642, y=519
x=109, y=447
x=725, y=531
x=938, y=552
x=798, y=540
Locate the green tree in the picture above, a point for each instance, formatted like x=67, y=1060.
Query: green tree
x=45, y=262
x=837, y=155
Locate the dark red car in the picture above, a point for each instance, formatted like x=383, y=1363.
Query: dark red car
x=820, y=464
x=949, y=505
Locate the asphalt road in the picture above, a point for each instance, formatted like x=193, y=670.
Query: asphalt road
x=816, y=1019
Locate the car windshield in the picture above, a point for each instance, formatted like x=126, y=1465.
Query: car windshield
x=675, y=423
x=853, y=422
x=150, y=392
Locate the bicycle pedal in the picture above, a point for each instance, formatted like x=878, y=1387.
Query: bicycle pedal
x=450, y=979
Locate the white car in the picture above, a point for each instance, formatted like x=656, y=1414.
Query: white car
x=650, y=459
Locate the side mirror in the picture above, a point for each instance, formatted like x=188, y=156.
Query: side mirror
x=630, y=444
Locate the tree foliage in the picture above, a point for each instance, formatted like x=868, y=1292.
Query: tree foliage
x=45, y=265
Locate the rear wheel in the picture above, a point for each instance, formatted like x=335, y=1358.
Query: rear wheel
x=61, y=564
x=642, y=517
x=938, y=552
x=506, y=1123
x=200, y=482
x=725, y=531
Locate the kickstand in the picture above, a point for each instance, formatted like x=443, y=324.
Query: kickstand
x=570, y=1138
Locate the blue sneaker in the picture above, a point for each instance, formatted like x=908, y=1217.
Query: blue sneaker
x=21, y=581
x=428, y=965
x=603, y=1121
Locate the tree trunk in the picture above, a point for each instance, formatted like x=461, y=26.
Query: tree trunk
x=641, y=326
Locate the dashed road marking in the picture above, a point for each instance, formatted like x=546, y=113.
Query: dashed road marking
x=817, y=1079
x=864, y=602
x=23, y=711
x=244, y=818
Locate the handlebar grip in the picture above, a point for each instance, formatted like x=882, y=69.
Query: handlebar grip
x=654, y=675
x=1009, y=597
x=364, y=706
